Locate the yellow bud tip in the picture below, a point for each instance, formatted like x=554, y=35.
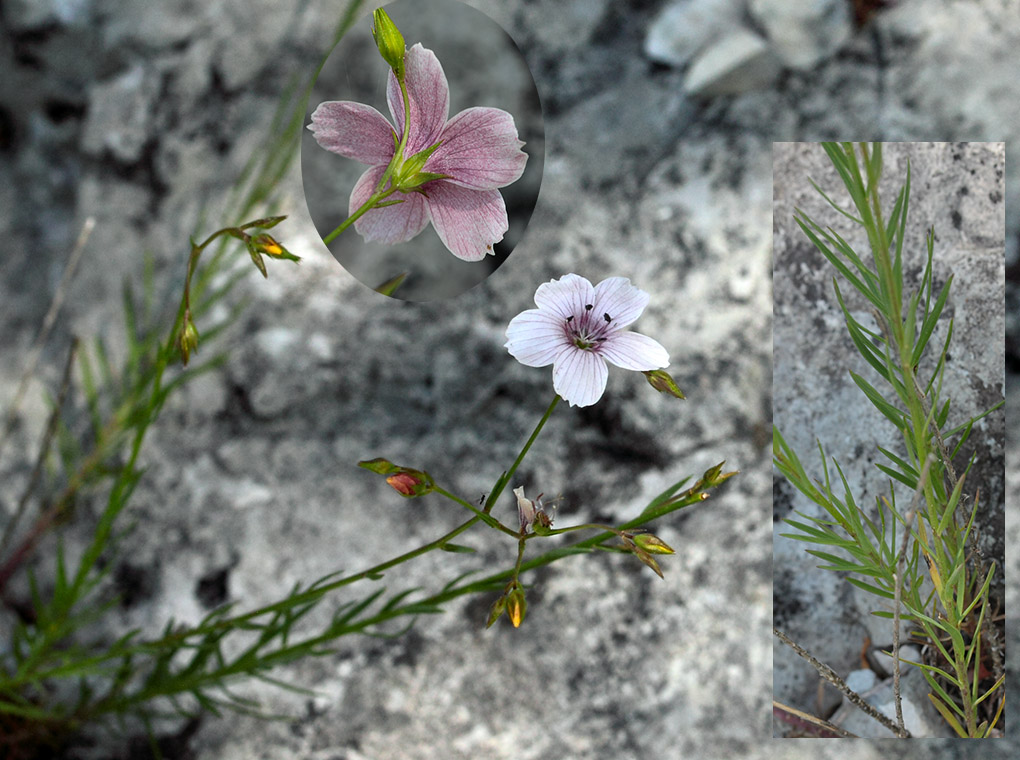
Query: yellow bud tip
x=516, y=606
x=652, y=544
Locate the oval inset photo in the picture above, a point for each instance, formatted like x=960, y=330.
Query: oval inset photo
x=426, y=208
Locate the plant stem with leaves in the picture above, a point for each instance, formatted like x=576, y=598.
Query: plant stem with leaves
x=955, y=616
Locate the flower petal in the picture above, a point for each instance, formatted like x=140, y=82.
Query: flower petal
x=353, y=130
x=468, y=221
x=479, y=148
x=565, y=297
x=535, y=337
x=580, y=376
x=389, y=224
x=429, y=96
x=619, y=299
x=631, y=350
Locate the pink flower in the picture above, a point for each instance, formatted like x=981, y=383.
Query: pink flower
x=578, y=328
x=478, y=151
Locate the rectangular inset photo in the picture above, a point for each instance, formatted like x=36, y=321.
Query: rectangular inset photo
x=888, y=442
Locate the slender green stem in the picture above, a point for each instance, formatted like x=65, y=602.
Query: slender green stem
x=504, y=479
x=521, y=545
x=483, y=516
x=398, y=155
x=306, y=597
x=367, y=206
x=570, y=529
x=393, y=167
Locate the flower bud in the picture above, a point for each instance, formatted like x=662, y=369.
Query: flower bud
x=188, y=340
x=714, y=476
x=267, y=244
x=663, y=382
x=256, y=257
x=410, y=483
x=649, y=560
x=496, y=611
x=265, y=223
x=652, y=544
x=516, y=606
x=390, y=42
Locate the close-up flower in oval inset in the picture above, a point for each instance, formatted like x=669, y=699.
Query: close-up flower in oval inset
x=450, y=170
x=578, y=328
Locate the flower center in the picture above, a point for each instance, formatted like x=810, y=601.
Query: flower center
x=587, y=331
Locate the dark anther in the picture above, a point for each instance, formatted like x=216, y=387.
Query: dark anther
x=570, y=318
x=588, y=307
x=608, y=318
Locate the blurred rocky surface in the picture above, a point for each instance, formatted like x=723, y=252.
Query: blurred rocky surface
x=251, y=484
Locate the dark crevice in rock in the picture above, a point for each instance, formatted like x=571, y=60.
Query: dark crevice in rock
x=213, y=588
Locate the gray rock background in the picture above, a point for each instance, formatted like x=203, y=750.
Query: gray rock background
x=958, y=188
x=251, y=477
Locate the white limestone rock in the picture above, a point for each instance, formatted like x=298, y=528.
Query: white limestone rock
x=738, y=62
x=803, y=33
x=682, y=29
x=120, y=115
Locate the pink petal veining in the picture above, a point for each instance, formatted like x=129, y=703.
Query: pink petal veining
x=353, y=130
x=479, y=149
x=469, y=222
x=429, y=96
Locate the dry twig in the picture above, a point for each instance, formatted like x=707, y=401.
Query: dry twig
x=47, y=326
x=832, y=677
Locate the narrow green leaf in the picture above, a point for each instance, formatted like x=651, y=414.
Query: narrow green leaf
x=972, y=420
x=944, y=711
x=892, y=226
x=898, y=258
x=872, y=588
x=870, y=277
x=908, y=481
x=833, y=203
x=982, y=595
x=929, y=322
x=457, y=548
x=990, y=691
x=860, y=337
x=389, y=287
x=838, y=264
x=842, y=563
x=890, y=616
x=891, y=413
